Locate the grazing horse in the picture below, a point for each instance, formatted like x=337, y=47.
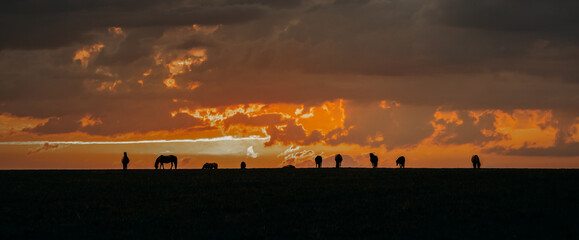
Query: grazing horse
x=166, y=159
x=209, y=166
x=338, y=159
x=374, y=160
x=475, y=161
x=401, y=160
x=318, y=161
x=243, y=165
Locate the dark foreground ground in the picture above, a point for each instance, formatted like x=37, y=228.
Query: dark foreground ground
x=290, y=203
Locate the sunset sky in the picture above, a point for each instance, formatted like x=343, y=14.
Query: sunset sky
x=278, y=82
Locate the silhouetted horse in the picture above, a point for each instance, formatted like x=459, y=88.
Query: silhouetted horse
x=288, y=166
x=338, y=159
x=243, y=165
x=374, y=160
x=166, y=159
x=125, y=161
x=209, y=166
x=401, y=160
x=318, y=161
x=475, y=161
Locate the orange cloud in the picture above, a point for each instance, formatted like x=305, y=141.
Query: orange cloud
x=575, y=131
x=193, y=85
x=324, y=118
x=89, y=120
x=388, y=104
x=205, y=29
x=526, y=128
x=109, y=86
x=45, y=147
x=496, y=128
x=195, y=57
x=170, y=83
x=115, y=30
x=9, y=123
x=84, y=55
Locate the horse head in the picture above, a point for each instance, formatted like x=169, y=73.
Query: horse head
x=157, y=163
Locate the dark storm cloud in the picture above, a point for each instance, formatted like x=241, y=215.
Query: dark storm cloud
x=58, y=125
x=113, y=123
x=469, y=131
x=563, y=150
x=537, y=16
x=270, y=3
x=136, y=46
x=423, y=54
x=53, y=24
x=564, y=146
x=290, y=133
x=396, y=127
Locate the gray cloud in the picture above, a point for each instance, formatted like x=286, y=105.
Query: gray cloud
x=526, y=16
x=396, y=127
x=423, y=54
x=470, y=130
x=40, y=24
x=45, y=147
x=563, y=150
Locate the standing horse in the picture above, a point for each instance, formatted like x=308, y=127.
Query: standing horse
x=166, y=159
x=374, y=160
x=401, y=160
x=475, y=161
x=318, y=161
x=338, y=159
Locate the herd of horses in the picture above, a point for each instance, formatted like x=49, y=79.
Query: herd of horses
x=172, y=159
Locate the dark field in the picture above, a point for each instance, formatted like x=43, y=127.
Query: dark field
x=290, y=203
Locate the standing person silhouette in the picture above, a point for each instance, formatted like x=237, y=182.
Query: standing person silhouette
x=125, y=161
x=338, y=160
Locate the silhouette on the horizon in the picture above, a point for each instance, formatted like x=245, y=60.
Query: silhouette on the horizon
x=475, y=161
x=338, y=160
x=243, y=165
x=400, y=161
x=289, y=166
x=374, y=160
x=209, y=166
x=166, y=159
x=318, y=161
x=125, y=161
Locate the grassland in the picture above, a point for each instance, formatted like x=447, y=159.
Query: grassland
x=290, y=204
